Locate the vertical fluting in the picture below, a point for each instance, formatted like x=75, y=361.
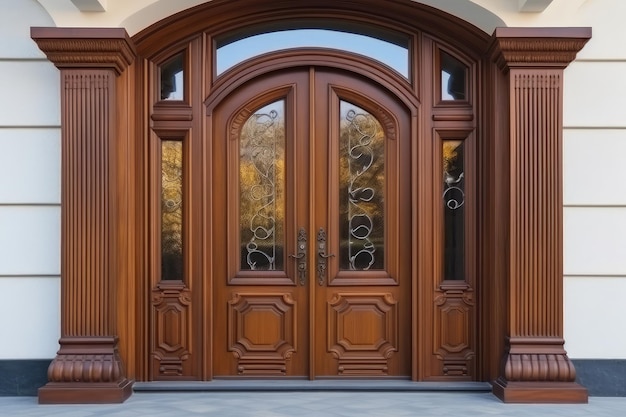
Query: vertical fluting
x=536, y=204
x=85, y=214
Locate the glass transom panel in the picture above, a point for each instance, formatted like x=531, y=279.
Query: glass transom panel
x=391, y=54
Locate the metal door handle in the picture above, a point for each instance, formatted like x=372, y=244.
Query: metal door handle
x=322, y=256
x=301, y=255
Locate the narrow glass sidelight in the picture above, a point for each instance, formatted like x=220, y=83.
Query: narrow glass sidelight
x=262, y=189
x=453, y=210
x=361, y=190
x=172, y=210
x=453, y=78
x=172, y=78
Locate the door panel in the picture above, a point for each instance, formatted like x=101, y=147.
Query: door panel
x=260, y=298
x=364, y=201
x=312, y=273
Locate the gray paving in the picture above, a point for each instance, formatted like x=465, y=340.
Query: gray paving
x=312, y=404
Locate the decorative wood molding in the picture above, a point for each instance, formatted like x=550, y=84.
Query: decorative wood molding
x=537, y=47
x=454, y=329
x=360, y=351
x=171, y=303
x=535, y=366
x=267, y=352
x=88, y=368
x=86, y=47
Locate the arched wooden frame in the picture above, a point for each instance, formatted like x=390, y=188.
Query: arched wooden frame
x=518, y=270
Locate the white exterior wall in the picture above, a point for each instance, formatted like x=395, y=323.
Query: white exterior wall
x=30, y=190
x=594, y=151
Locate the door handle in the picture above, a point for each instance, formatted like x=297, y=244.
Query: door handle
x=301, y=255
x=322, y=256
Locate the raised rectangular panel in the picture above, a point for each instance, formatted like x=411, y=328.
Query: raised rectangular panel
x=593, y=167
x=15, y=21
x=30, y=94
x=30, y=240
x=29, y=317
x=594, y=94
x=594, y=312
x=594, y=240
x=30, y=166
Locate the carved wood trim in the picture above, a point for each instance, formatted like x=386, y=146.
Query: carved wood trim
x=363, y=352
x=454, y=329
x=86, y=47
x=537, y=47
x=534, y=349
x=269, y=352
x=171, y=303
x=88, y=367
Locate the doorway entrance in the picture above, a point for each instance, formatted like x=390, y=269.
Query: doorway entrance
x=313, y=209
x=311, y=228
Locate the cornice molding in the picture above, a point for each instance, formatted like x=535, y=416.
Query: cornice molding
x=537, y=47
x=98, y=48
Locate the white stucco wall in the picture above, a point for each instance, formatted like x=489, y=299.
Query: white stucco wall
x=30, y=171
x=594, y=148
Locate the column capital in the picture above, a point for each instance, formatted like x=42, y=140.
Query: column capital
x=537, y=47
x=92, y=48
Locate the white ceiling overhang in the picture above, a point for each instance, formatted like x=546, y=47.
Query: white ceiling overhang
x=91, y=5
x=533, y=6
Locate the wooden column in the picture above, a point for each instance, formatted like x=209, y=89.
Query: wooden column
x=88, y=368
x=535, y=367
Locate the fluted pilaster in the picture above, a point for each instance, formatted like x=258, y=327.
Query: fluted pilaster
x=535, y=367
x=87, y=368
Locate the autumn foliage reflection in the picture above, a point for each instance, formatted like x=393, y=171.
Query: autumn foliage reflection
x=262, y=187
x=171, y=210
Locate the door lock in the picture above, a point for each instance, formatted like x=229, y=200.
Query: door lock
x=322, y=256
x=301, y=255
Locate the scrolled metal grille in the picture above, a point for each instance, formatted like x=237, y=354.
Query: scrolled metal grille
x=261, y=177
x=363, y=183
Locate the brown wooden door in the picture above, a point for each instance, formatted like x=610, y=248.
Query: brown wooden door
x=311, y=228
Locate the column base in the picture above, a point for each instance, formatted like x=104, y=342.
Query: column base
x=540, y=392
x=85, y=392
x=87, y=369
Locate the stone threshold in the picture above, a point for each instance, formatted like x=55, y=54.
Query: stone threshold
x=307, y=385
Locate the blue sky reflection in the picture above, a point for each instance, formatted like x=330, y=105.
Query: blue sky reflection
x=397, y=57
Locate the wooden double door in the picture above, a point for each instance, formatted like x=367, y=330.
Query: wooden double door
x=310, y=233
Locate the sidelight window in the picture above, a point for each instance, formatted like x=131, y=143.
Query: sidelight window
x=453, y=209
x=172, y=210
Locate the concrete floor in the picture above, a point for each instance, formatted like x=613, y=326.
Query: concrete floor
x=312, y=404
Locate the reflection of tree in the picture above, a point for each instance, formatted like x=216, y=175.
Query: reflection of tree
x=172, y=210
x=453, y=210
x=262, y=178
x=362, y=185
